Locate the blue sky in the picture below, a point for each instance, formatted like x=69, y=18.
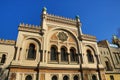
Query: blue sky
x=100, y=18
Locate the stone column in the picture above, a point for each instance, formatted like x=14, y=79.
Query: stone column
x=34, y=76
x=23, y=76
x=68, y=58
x=17, y=76
x=59, y=57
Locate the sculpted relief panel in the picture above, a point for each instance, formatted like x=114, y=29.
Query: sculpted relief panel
x=62, y=36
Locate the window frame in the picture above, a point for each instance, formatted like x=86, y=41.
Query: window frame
x=55, y=57
x=28, y=76
x=90, y=56
x=3, y=59
x=65, y=76
x=56, y=78
x=33, y=53
x=73, y=55
x=64, y=55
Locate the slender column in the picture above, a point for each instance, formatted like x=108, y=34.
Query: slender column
x=23, y=77
x=34, y=76
x=59, y=58
x=68, y=58
x=17, y=76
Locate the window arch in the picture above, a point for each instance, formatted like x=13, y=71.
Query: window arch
x=65, y=78
x=54, y=78
x=29, y=77
x=111, y=77
x=107, y=64
x=64, y=54
x=31, y=51
x=75, y=77
x=3, y=58
x=94, y=77
x=54, y=55
x=90, y=57
x=73, y=56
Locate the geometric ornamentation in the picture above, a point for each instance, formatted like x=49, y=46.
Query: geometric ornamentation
x=62, y=36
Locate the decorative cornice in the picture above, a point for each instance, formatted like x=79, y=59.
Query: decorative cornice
x=8, y=42
x=88, y=37
x=60, y=19
x=102, y=43
x=29, y=28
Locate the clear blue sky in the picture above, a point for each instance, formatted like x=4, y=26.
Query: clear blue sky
x=100, y=18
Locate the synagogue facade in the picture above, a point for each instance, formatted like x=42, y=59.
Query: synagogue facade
x=58, y=50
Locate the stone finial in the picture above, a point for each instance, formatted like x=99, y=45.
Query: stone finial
x=77, y=18
x=115, y=37
x=44, y=10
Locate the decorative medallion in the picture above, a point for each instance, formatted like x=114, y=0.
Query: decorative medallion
x=62, y=36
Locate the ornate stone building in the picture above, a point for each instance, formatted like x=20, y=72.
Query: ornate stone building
x=110, y=58
x=56, y=50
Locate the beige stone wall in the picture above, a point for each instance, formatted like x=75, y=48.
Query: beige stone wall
x=61, y=32
x=9, y=51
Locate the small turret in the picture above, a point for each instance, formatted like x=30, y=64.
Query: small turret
x=77, y=18
x=78, y=24
x=44, y=10
x=43, y=20
x=116, y=40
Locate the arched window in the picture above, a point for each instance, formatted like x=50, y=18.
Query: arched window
x=63, y=54
x=111, y=77
x=73, y=56
x=94, y=77
x=75, y=77
x=108, y=66
x=29, y=77
x=31, y=52
x=65, y=78
x=54, y=78
x=90, y=56
x=53, y=53
x=3, y=58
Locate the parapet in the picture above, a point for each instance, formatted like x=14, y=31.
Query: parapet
x=29, y=28
x=103, y=43
x=88, y=37
x=60, y=19
x=8, y=42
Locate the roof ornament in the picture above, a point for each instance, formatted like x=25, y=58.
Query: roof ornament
x=77, y=18
x=115, y=37
x=44, y=9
